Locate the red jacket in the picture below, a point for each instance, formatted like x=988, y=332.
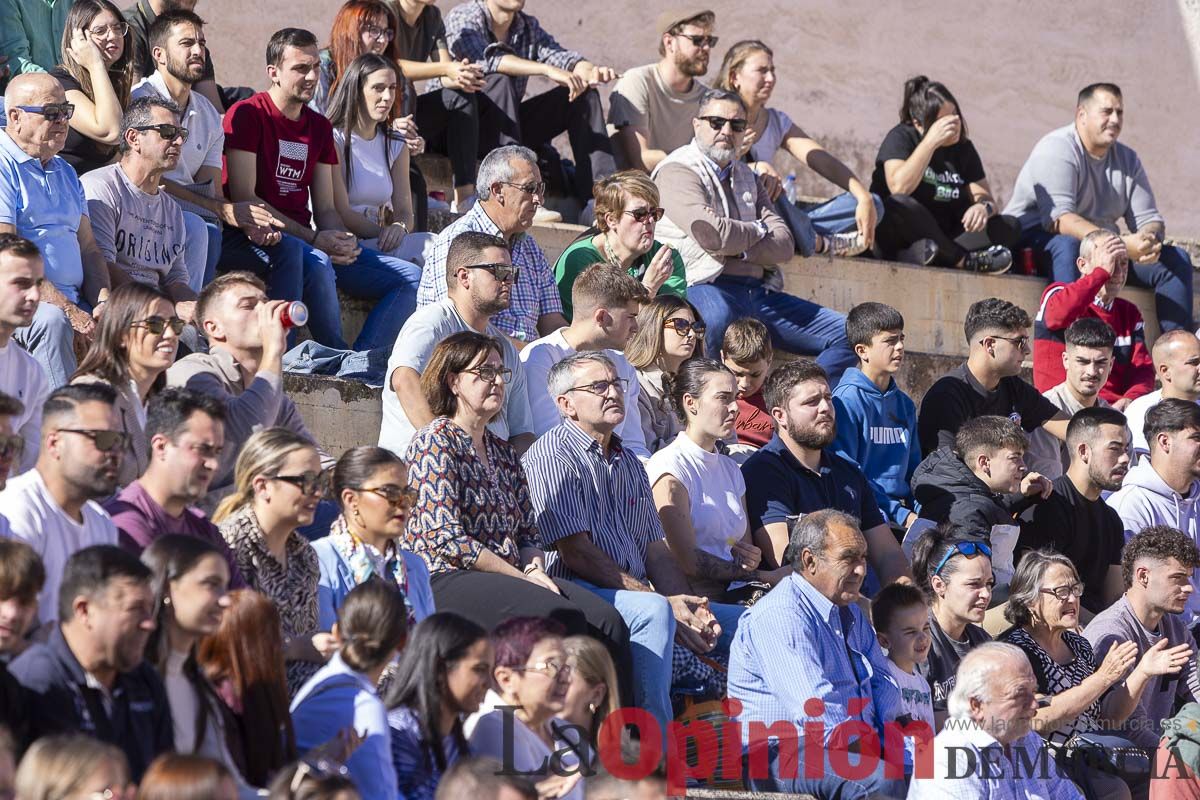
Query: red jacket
x=1062, y=303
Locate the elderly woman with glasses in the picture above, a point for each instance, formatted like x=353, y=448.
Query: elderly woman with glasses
x=626, y=212
x=473, y=522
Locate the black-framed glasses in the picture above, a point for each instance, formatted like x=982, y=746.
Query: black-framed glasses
x=166, y=130
x=1020, y=342
x=156, y=324
x=105, y=441
x=395, y=496
x=317, y=769
x=685, y=326
x=717, y=123
x=600, y=388
x=313, y=484
x=488, y=373
x=500, y=271
x=119, y=28
x=700, y=39
x=54, y=112
x=1065, y=592
x=12, y=446
x=967, y=549
x=551, y=669
x=538, y=189
x=643, y=214
x=374, y=32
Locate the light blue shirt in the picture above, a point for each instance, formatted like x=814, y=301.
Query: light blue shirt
x=335, y=698
x=45, y=204
x=336, y=582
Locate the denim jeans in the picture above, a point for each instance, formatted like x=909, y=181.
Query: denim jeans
x=786, y=776
x=832, y=216
x=50, y=339
x=796, y=325
x=1170, y=277
x=203, y=250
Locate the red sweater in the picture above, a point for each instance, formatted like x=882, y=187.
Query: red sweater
x=1062, y=303
x=754, y=424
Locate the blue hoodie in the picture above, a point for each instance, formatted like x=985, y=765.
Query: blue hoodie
x=877, y=431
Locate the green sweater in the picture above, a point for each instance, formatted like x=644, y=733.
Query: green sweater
x=31, y=33
x=581, y=255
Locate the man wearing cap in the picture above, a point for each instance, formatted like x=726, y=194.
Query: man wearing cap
x=652, y=106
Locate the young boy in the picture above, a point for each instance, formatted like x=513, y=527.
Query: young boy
x=746, y=351
x=876, y=421
x=900, y=613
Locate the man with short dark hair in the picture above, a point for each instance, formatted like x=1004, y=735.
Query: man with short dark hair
x=141, y=17
x=91, y=675
x=53, y=507
x=20, y=373
x=989, y=382
x=1079, y=178
x=1176, y=357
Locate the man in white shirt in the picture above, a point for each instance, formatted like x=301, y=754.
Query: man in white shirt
x=480, y=278
x=53, y=507
x=1176, y=357
x=606, y=302
x=21, y=375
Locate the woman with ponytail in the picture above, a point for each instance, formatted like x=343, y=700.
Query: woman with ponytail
x=670, y=331
x=938, y=208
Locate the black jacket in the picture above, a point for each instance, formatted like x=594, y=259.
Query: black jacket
x=945, y=489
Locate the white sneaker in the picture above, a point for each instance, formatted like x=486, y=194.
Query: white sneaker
x=845, y=244
x=544, y=216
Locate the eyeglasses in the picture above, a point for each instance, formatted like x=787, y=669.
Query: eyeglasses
x=54, y=112
x=489, y=373
x=105, y=441
x=967, y=549
x=1065, y=592
x=119, y=28
x=717, y=123
x=156, y=325
x=552, y=669
x=310, y=483
x=322, y=768
x=12, y=446
x=683, y=327
x=538, y=189
x=600, y=388
x=372, y=32
x=500, y=271
x=396, y=496
x=642, y=214
x=1020, y=342
x=699, y=39
x=167, y=131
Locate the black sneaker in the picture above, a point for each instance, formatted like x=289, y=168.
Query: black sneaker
x=995, y=260
x=922, y=251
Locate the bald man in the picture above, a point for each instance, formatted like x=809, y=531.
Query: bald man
x=1176, y=357
x=42, y=200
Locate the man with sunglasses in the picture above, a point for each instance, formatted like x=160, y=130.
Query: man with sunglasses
x=54, y=507
x=42, y=200
x=652, y=106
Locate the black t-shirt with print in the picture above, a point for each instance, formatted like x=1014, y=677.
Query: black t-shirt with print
x=944, y=655
x=945, y=187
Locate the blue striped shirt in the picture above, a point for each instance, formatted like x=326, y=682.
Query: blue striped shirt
x=577, y=488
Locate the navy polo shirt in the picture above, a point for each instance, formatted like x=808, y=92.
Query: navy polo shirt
x=779, y=488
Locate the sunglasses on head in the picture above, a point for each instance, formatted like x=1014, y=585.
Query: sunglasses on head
x=717, y=123
x=53, y=112
x=105, y=441
x=967, y=549
x=501, y=272
x=156, y=325
x=642, y=214
x=683, y=326
x=310, y=483
x=11, y=446
x=166, y=130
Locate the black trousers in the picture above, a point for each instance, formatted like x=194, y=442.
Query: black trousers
x=488, y=599
x=449, y=121
x=504, y=118
x=905, y=220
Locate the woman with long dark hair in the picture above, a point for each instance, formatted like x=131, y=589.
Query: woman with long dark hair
x=938, y=206
x=443, y=675
x=97, y=74
x=137, y=338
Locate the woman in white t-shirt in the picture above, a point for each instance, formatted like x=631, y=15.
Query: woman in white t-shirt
x=371, y=184
x=844, y=225
x=700, y=493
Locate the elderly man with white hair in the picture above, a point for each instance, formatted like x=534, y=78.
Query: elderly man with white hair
x=988, y=747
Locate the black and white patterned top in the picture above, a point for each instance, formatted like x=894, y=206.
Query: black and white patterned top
x=1054, y=678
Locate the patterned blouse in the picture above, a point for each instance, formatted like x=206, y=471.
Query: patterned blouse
x=463, y=506
x=1054, y=678
x=291, y=586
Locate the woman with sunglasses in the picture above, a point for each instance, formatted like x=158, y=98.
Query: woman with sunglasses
x=626, y=212
x=136, y=341
x=443, y=675
x=364, y=542
x=473, y=519
x=956, y=574
x=530, y=681
x=670, y=331
x=844, y=225
x=97, y=74
x=278, y=483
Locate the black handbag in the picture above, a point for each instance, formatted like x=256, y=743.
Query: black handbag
x=1107, y=752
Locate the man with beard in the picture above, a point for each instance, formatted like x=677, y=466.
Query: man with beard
x=91, y=676
x=796, y=474
x=186, y=431
x=142, y=17
x=721, y=220
x=20, y=373
x=1074, y=520
x=652, y=106
x=53, y=507
x=480, y=278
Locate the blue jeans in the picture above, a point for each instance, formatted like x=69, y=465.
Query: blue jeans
x=1170, y=277
x=798, y=326
x=832, y=216
x=390, y=282
x=830, y=786
x=204, y=250
x=50, y=339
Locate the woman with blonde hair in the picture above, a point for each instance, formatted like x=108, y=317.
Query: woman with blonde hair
x=278, y=483
x=592, y=694
x=73, y=767
x=670, y=331
x=627, y=210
